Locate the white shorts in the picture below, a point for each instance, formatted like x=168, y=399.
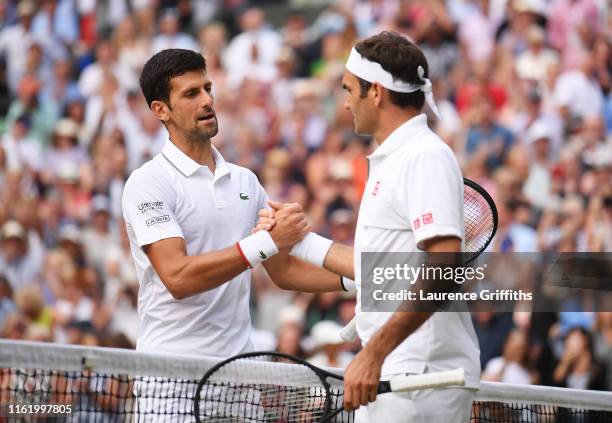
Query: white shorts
x=450, y=405
x=171, y=401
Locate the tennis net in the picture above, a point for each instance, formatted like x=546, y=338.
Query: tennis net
x=86, y=384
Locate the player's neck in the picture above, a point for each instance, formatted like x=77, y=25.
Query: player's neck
x=197, y=150
x=391, y=120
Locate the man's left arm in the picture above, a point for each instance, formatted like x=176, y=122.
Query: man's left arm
x=432, y=199
x=363, y=373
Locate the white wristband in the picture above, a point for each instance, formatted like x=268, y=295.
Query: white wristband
x=348, y=284
x=313, y=249
x=257, y=247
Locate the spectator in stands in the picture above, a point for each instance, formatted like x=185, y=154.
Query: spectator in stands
x=7, y=304
x=20, y=261
x=513, y=366
x=254, y=51
x=169, y=35
x=329, y=345
x=578, y=367
x=42, y=113
x=603, y=344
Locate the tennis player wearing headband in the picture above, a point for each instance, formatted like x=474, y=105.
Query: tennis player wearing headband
x=413, y=201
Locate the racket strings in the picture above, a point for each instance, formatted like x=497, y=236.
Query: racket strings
x=254, y=391
x=479, y=222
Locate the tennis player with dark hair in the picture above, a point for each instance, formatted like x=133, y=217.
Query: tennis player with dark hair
x=413, y=201
x=189, y=216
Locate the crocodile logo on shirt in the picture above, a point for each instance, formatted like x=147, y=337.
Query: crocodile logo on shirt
x=244, y=196
x=262, y=255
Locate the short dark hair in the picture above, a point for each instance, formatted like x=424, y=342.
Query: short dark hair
x=400, y=58
x=162, y=67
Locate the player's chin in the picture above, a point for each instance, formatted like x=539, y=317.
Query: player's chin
x=210, y=129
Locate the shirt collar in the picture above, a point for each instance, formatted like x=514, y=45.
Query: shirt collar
x=187, y=166
x=401, y=136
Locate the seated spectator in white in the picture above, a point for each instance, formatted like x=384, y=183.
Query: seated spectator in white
x=538, y=186
x=253, y=53
x=329, y=345
x=104, y=110
x=476, y=33
x=20, y=257
x=289, y=338
x=99, y=236
x=143, y=133
x=92, y=78
x=64, y=150
x=533, y=63
x=577, y=93
x=513, y=365
x=169, y=35
x=133, y=47
x=23, y=153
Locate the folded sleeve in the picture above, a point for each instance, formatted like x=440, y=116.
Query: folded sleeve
x=434, y=197
x=149, y=209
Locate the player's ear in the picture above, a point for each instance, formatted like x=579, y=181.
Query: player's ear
x=376, y=91
x=161, y=110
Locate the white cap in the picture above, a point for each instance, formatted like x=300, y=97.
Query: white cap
x=326, y=332
x=291, y=314
x=13, y=229
x=539, y=130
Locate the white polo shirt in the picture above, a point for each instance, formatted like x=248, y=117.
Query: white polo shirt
x=414, y=193
x=173, y=196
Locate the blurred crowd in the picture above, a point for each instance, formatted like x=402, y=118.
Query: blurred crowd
x=524, y=92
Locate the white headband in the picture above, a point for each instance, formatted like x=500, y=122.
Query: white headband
x=373, y=72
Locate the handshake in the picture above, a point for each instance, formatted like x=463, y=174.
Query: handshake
x=283, y=227
x=285, y=222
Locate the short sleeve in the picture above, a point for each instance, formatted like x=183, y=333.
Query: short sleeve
x=434, y=197
x=148, y=208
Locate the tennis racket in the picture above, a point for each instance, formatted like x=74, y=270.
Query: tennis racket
x=480, y=220
x=261, y=387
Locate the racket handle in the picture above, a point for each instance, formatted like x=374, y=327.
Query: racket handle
x=426, y=381
x=349, y=332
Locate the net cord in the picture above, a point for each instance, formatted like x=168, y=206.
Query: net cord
x=47, y=356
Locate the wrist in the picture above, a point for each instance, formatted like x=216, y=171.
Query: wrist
x=256, y=248
x=312, y=249
x=376, y=354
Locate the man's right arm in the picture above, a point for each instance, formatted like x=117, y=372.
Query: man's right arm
x=185, y=275
x=149, y=210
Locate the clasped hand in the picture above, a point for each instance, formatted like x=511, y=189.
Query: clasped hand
x=285, y=222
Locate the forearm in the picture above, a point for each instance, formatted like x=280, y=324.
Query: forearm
x=340, y=260
x=291, y=273
x=400, y=326
x=561, y=371
x=191, y=275
x=413, y=313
